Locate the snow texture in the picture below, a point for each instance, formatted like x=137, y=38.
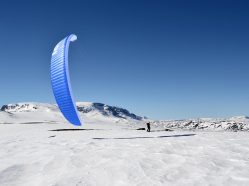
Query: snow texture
x=39, y=148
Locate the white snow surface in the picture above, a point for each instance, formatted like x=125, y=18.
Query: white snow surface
x=113, y=155
x=37, y=149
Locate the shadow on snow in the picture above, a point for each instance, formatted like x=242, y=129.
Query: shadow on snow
x=168, y=136
x=58, y=130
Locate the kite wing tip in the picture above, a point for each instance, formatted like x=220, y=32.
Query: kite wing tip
x=73, y=37
x=77, y=123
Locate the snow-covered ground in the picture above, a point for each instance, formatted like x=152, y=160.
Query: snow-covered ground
x=36, y=150
x=238, y=123
x=110, y=154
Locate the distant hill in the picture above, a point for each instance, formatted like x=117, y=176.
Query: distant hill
x=44, y=112
x=35, y=113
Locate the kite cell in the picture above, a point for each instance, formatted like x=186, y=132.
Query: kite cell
x=60, y=80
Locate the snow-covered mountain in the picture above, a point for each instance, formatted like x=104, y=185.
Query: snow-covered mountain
x=44, y=112
x=28, y=113
x=106, y=110
x=29, y=107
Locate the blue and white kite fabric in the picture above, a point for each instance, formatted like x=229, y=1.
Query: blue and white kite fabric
x=61, y=81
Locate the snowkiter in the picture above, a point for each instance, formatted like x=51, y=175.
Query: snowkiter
x=148, y=126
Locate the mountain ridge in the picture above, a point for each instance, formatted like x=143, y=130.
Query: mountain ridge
x=82, y=107
x=33, y=112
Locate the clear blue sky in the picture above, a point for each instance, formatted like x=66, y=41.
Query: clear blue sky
x=163, y=59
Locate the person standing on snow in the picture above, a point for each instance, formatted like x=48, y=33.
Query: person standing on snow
x=148, y=126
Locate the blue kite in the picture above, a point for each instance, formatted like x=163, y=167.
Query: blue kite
x=60, y=81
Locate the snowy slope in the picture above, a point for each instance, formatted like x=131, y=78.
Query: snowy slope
x=25, y=113
x=28, y=113
x=106, y=110
x=42, y=112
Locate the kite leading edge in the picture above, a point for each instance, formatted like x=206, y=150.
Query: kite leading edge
x=60, y=80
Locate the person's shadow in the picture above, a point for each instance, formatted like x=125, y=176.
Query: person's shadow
x=146, y=137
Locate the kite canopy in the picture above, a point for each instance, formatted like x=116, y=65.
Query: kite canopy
x=61, y=81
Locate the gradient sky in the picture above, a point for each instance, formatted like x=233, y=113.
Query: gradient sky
x=162, y=59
